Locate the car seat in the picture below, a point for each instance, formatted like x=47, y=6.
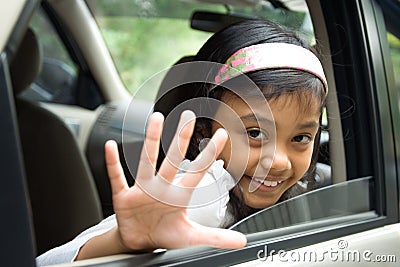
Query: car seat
x=168, y=98
x=62, y=192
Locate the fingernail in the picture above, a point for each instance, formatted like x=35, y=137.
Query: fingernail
x=188, y=115
x=253, y=186
x=222, y=131
x=157, y=115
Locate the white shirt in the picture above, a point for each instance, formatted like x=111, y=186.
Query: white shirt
x=210, y=212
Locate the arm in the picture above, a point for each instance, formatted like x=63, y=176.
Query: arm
x=146, y=220
x=68, y=251
x=105, y=244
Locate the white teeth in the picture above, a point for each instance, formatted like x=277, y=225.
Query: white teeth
x=268, y=183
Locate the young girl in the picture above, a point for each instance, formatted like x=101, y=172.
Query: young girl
x=284, y=111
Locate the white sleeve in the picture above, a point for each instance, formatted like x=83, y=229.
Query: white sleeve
x=68, y=252
x=209, y=200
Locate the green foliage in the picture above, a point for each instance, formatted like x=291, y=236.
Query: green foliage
x=149, y=8
x=141, y=47
x=394, y=44
x=52, y=47
x=147, y=36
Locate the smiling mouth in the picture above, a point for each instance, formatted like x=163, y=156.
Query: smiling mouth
x=267, y=183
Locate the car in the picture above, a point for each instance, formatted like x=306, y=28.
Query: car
x=72, y=70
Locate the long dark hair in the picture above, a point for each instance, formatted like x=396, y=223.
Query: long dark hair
x=305, y=87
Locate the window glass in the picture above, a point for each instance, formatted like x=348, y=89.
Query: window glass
x=146, y=37
x=314, y=209
x=58, y=77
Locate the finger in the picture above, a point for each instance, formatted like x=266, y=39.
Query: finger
x=114, y=168
x=178, y=147
x=217, y=237
x=149, y=154
x=205, y=159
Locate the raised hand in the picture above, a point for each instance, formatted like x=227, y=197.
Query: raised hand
x=146, y=219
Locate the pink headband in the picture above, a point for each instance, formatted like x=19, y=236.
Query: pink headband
x=270, y=56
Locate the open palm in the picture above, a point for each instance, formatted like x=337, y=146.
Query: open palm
x=146, y=218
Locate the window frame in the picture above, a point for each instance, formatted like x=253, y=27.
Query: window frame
x=387, y=133
x=381, y=9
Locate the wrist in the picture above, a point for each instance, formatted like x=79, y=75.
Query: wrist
x=106, y=244
x=122, y=248
x=116, y=239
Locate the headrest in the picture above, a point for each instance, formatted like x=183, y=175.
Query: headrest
x=164, y=87
x=168, y=99
x=26, y=64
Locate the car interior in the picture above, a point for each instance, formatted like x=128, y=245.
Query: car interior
x=65, y=118
x=75, y=188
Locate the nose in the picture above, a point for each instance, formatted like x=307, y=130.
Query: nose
x=280, y=160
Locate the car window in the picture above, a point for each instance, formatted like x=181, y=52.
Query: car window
x=146, y=37
x=57, y=80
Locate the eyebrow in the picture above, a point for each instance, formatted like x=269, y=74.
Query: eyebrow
x=252, y=117
x=308, y=125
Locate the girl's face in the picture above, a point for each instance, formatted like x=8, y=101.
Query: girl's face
x=267, y=163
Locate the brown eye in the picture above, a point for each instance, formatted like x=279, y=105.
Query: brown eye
x=257, y=134
x=304, y=139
